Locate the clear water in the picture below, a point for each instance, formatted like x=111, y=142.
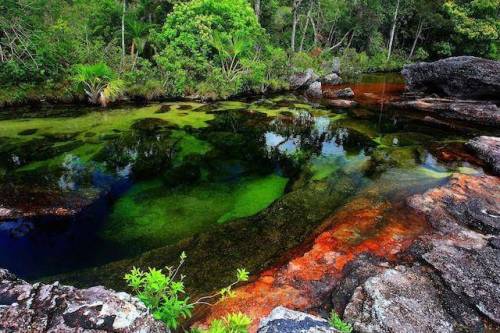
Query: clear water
x=234, y=184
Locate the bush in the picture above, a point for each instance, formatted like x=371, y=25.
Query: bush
x=232, y=323
x=165, y=296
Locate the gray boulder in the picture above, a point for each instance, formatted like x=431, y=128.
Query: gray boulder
x=340, y=93
x=331, y=79
x=303, y=80
x=283, y=320
x=54, y=308
x=405, y=300
x=488, y=149
x=463, y=77
x=315, y=90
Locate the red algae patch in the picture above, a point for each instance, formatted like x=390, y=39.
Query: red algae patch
x=306, y=281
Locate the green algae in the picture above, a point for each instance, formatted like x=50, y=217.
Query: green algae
x=151, y=215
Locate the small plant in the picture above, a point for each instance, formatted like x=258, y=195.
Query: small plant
x=99, y=82
x=232, y=323
x=336, y=322
x=164, y=294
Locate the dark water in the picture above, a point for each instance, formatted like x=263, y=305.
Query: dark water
x=235, y=183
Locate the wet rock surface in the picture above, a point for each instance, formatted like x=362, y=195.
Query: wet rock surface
x=56, y=308
x=488, y=149
x=477, y=112
x=462, y=77
x=283, y=320
x=34, y=201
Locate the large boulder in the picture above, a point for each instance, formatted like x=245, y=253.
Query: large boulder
x=303, y=80
x=406, y=299
x=464, y=249
x=283, y=320
x=53, y=307
x=488, y=149
x=463, y=77
x=332, y=78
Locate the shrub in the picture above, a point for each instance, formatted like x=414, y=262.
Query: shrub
x=165, y=296
x=337, y=323
x=98, y=81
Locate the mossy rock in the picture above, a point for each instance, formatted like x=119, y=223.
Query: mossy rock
x=164, y=108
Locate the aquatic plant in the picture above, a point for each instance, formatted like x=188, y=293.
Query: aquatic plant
x=336, y=322
x=165, y=295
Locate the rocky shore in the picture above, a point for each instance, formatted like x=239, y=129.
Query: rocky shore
x=460, y=88
x=38, y=308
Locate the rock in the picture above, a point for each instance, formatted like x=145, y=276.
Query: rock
x=331, y=79
x=355, y=274
x=41, y=308
x=22, y=201
x=406, y=299
x=482, y=113
x=463, y=77
x=474, y=274
x=465, y=202
x=341, y=103
x=314, y=90
x=488, y=149
x=303, y=80
x=341, y=93
x=466, y=215
x=336, y=65
x=283, y=320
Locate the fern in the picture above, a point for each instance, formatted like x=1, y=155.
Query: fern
x=336, y=322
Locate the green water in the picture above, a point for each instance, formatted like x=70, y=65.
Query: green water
x=234, y=184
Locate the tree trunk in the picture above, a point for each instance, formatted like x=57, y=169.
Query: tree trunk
x=417, y=36
x=296, y=4
x=305, y=30
x=123, y=31
x=393, y=30
x=257, y=9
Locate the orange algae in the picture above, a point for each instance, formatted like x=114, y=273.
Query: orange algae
x=305, y=282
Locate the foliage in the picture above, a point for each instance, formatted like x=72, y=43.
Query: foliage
x=165, y=295
x=336, y=322
x=220, y=48
x=232, y=323
x=99, y=82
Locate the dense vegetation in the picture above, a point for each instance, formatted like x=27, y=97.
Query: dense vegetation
x=149, y=49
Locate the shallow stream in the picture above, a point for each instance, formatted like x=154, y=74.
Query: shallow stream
x=241, y=183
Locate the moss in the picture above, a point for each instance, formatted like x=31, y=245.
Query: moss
x=151, y=215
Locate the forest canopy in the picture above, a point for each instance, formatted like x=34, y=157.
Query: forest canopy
x=220, y=48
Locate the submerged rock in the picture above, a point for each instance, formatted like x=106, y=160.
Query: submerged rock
x=303, y=80
x=405, y=299
x=41, y=308
x=488, y=149
x=463, y=77
x=283, y=320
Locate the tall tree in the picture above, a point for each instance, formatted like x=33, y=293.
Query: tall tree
x=393, y=30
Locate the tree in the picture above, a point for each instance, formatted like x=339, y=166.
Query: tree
x=98, y=81
x=476, y=24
